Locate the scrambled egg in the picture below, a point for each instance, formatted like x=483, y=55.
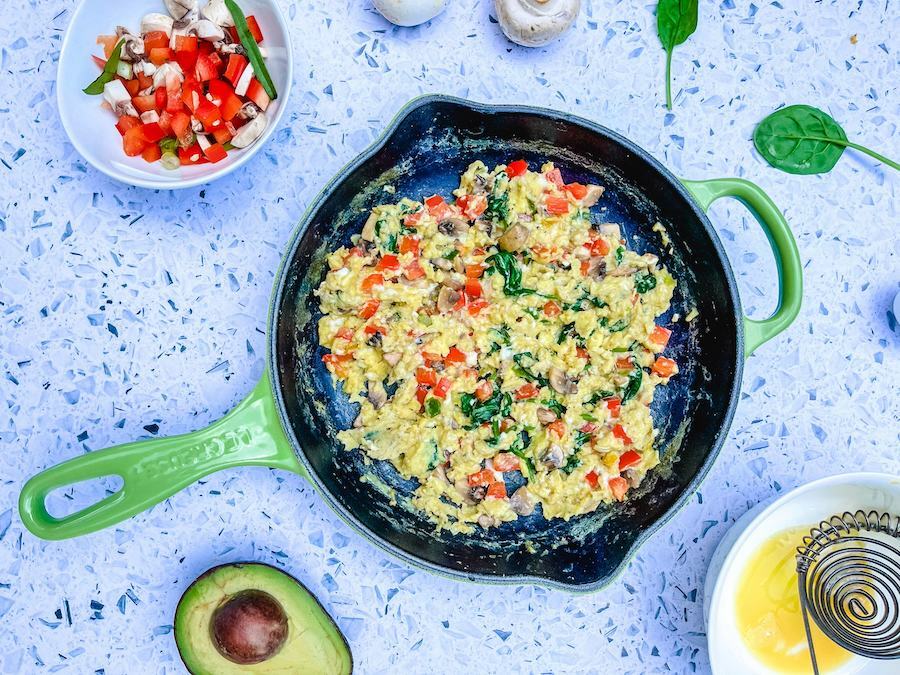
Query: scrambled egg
x=503, y=349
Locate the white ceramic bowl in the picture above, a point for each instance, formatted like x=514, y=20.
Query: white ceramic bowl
x=92, y=128
x=806, y=505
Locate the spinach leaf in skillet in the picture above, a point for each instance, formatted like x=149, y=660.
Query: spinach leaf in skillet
x=676, y=20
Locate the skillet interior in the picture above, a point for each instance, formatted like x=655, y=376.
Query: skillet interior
x=429, y=147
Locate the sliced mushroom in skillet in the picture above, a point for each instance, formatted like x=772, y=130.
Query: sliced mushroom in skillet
x=594, y=192
x=454, y=226
x=554, y=457
x=521, y=502
x=546, y=416
x=561, y=382
x=515, y=238
x=377, y=395
x=447, y=299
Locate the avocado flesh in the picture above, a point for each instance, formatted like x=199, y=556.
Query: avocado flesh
x=314, y=644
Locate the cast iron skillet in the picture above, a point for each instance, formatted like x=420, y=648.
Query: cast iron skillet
x=289, y=421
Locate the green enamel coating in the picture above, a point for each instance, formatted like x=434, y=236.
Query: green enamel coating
x=787, y=257
x=154, y=470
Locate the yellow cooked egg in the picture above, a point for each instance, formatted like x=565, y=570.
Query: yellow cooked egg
x=503, y=349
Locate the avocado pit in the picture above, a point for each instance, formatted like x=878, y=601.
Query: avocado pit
x=250, y=627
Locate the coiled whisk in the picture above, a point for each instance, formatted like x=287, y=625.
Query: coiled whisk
x=848, y=571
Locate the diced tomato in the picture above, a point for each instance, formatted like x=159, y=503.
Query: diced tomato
x=337, y=363
x=614, y=405
x=588, y=427
x=421, y=394
x=582, y=353
x=133, y=141
x=254, y=28
x=628, y=459
x=554, y=177
x=155, y=39
x=186, y=43
x=214, y=58
x=557, y=206
x=222, y=135
x=191, y=155
x=144, y=81
x=577, y=190
x=455, y=357
x=472, y=206
x=473, y=288
x=257, y=94
x=496, y=490
x=585, y=266
x=469, y=373
x=414, y=271
x=186, y=58
x=660, y=337
x=557, y=428
x=153, y=133
x=215, y=153
x=151, y=153
x=161, y=55
x=526, y=391
x=592, y=479
x=474, y=271
x=437, y=207
x=367, y=311
x=159, y=99
x=460, y=303
x=516, y=168
x=426, y=376
x=431, y=358
x=624, y=363
x=442, y=387
x=209, y=115
x=476, y=306
x=483, y=477
x=618, y=486
x=127, y=122
x=231, y=106
x=181, y=127
x=484, y=390
x=551, y=309
x=409, y=245
x=388, y=262
x=374, y=328
x=412, y=219
x=173, y=94
x=165, y=122
x=145, y=103
x=599, y=247
x=109, y=43
x=347, y=333
x=219, y=89
x=619, y=432
x=370, y=282
x=505, y=461
x=665, y=367
x=235, y=66
x=206, y=69
x=131, y=86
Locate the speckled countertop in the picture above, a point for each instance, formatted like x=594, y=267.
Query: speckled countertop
x=126, y=313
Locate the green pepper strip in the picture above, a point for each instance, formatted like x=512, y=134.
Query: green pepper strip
x=109, y=71
x=252, y=49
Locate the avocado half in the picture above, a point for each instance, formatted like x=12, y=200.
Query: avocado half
x=254, y=618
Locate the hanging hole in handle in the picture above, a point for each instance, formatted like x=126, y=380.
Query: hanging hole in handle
x=76, y=497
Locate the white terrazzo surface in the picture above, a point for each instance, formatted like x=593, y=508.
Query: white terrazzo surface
x=126, y=313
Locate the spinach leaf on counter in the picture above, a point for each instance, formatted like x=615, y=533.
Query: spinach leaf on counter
x=676, y=20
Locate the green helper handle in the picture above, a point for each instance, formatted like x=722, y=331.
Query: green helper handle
x=787, y=258
x=154, y=470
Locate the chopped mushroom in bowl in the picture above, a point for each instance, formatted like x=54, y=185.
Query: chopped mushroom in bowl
x=112, y=126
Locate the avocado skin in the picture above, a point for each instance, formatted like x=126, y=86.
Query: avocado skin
x=314, y=644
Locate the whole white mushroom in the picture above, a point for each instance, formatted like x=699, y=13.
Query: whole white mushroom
x=534, y=23
x=410, y=12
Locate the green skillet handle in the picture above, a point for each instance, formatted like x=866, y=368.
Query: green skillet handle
x=787, y=258
x=154, y=470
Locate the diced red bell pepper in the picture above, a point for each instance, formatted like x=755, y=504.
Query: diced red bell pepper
x=187, y=59
x=127, y=122
x=412, y=219
x=337, y=363
x=144, y=81
x=473, y=288
x=664, y=367
x=206, y=69
x=624, y=363
x=505, y=461
x=173, y=94
x=235, y=66
x=374, y=328
x=426, y=376
x=421, y=394
x=345, y=333
x=159, y=99
x=153, y=133
x=209, y=115
x=474, y=271
x=254, y=29
x=614, y=405
x=370, y=282
x=414, y=271
x=660, y=337
x=526, y=391
x=618, y=486
x=437, y=207
x=557, y=428
x=181, y=127
x=516, y=168
x=151, y=153
x=455, y=357
x=431, y=358
x=598, y=247
x=442, y=387
x=219, y=90
x=133, y=141
x=367, y=311
x=165, y=122
x=483, y=477
x=161, y=55
x=230, y=107
x=557, y=206
x=551, y=309
x=554, y=177
x=215, y=153
x=619, y=432
x=472, y=206
x=629, y=459
x=191, y=155
x=582, y=353
x=577, y=190
x=496, y=490
x=388, y=263
x=409, y=245
x=186, y=43
x=145, y=103
x=484, y=390
x=592, y=479
x=475, y=306
x=131, y=86
x=222, y=135
x=155, y=39
x=257, y=94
